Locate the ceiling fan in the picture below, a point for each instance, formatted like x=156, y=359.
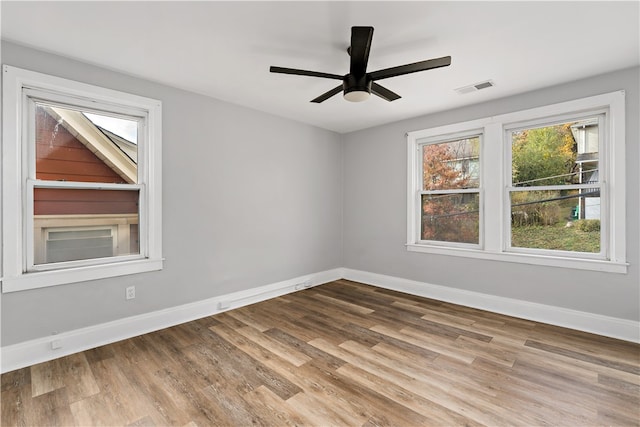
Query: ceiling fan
x=357, y=85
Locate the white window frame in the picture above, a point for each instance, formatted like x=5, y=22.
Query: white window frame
x=603, y=171
x=440, y=139
x=495, y=176
x=20, y=87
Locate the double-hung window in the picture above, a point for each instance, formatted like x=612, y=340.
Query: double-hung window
x=449, y=195
x=543, y=186
x=556, y=196
x=81, y=181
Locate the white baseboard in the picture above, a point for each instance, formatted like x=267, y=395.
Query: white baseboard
x=613, y=327
x=40, y=350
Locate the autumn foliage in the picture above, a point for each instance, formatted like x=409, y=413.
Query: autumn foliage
x=450, y=217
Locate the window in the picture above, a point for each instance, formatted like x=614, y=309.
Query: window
x=555, y=189
x=450, y=194
x=542, y=186
x=81, y=181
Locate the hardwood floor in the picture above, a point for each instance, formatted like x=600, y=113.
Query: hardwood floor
x=341, y=354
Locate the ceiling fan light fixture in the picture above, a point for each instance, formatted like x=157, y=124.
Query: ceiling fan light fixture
x=357, y=95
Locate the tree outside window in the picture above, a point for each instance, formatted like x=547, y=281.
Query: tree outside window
x=450, y=196
x=552, y=205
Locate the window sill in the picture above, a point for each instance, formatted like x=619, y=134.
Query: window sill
x=44, y=279
x=548, y=261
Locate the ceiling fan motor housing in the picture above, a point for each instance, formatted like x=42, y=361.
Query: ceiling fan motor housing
x=351, y=83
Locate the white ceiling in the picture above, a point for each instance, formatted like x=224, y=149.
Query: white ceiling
x=224, y=49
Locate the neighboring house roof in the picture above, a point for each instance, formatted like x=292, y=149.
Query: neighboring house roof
x=116, y=152
x=130, y=149
x=585, y=133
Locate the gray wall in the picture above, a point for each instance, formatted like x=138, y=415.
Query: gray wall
x=375, y=212
x=249, y=199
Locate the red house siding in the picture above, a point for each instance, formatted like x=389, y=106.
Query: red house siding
x=51, y=201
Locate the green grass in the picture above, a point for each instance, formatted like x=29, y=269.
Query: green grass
x=557, y=237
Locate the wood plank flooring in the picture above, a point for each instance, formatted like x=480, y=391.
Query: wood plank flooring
x=340, y=354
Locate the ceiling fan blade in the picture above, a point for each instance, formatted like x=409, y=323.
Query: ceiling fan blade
x=383, y=92
x=297, y=72
x=411, y=68
x=359, y=50
x=328, y=94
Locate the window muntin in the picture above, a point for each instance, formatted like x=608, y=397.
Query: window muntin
x=117, y=137
x=594, y=188
x=450, y=190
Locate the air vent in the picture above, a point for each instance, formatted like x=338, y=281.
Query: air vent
x=474, y=87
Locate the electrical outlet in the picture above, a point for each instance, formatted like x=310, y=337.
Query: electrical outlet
x=131, y=292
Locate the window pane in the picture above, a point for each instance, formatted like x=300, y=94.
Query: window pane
x=75, y=224
x=451, y=217
x=567, y=220
x=76, y=146
x=566, y=153
x=76, y=245
x=453, y=164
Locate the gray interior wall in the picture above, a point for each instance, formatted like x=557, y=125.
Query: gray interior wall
x=375, y=167
x=249, y=199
